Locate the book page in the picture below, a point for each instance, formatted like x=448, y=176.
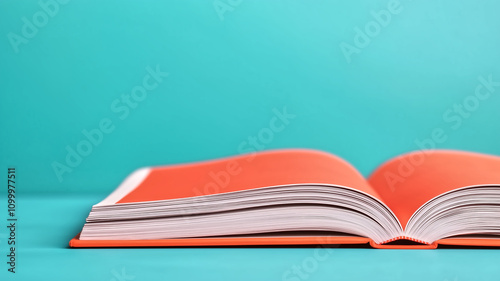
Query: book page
x=407, y=182
x=262, y=169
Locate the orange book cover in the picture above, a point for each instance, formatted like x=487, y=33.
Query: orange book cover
x=432, y=198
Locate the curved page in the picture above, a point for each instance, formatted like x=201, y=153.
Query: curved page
x=271, y=168
x=407, y=182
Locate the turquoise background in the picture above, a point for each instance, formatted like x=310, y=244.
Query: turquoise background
x=226, y=77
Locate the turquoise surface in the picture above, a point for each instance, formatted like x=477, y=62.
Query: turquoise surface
x=48, y=222
x=91, y=90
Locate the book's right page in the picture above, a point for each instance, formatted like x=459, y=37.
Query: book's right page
x=408, y=181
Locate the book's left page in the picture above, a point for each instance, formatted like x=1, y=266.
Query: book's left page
x=296, y=172
x=250, y=171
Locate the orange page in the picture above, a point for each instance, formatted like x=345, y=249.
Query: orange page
x=271, y=168
x=406, y=182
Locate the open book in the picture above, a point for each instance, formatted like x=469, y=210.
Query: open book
x=304, y=197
